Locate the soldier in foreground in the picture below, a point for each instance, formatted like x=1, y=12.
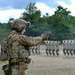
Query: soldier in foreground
x=18, y=48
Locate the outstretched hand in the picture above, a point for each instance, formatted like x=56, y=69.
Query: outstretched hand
x=45, y=35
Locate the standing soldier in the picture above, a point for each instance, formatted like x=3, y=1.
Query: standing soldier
x=18, y=48
x=37, y=49
x=47, y=48
x=50, y=49
x=33, y=50
x=71, y=48
x=74, y=47
x=64, y=47
x=68, y=48
x=53, y=48
x=57, y=48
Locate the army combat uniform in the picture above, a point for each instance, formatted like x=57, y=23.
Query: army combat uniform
x=19, y=53
x=18, y=49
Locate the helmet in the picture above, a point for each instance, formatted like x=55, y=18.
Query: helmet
x=19, y=24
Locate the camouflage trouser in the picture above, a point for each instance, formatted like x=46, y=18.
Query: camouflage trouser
x=19, y=70
x=16, y=68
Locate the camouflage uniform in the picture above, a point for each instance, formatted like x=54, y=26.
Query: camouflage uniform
x=19, y=48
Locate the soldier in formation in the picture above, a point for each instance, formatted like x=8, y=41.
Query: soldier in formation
x=57, y=48
x=52, y=48
x=68, y=47
x=47, y=48
x=35, y=50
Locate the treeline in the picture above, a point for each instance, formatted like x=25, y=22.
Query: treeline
x=61, y=23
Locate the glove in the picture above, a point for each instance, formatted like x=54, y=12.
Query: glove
x=45, y=35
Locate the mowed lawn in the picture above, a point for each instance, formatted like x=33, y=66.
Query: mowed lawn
x=50, y=65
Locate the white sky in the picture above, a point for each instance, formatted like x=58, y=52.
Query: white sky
x=5, y=15
x=70, y=6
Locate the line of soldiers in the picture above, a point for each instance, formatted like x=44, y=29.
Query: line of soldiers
x=69, y=47
x=52, y=48
x=35, y=50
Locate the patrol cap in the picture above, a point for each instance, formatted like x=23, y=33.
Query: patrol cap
x=19, y=24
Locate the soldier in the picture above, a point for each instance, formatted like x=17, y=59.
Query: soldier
x=37, y=49
x=50, y=49
x=47, y=48
x=57, y=49
x=68, y=48
x=18, y=48
x=53, y=48
x=71, y=48
x=64, y=49
x=74, y=47
x=33, y=50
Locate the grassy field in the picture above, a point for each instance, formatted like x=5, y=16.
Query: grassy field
x=49, y=65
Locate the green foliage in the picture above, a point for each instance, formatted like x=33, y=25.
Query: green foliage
x=61, y=23
x=31, y=13
x=4, y=30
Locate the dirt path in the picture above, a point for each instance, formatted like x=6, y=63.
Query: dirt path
x=48, y=65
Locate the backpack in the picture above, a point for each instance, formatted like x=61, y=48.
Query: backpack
x=4, y=49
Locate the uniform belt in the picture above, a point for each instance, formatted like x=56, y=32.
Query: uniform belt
x=20, y=61
x=17, y=63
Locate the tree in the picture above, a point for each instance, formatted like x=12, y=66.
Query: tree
x=31, y=13
x=39, y=24
x=60, y=24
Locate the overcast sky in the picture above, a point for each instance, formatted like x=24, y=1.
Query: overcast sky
x=14, y=8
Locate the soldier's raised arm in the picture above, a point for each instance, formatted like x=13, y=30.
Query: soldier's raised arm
x=33, y=41
x=30, y=41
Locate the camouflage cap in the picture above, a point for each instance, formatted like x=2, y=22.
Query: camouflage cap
x=20, y=24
